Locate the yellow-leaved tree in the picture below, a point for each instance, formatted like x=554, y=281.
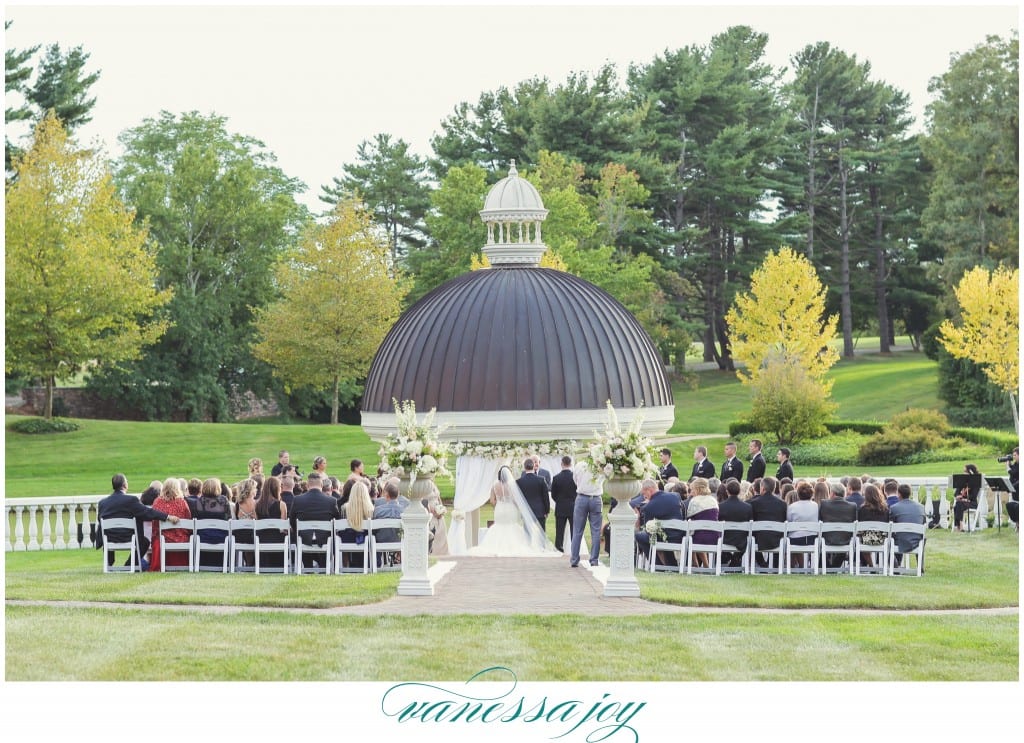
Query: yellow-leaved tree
x=80, y=279
x=989, y=330
x=781, y=336
x=339, y=298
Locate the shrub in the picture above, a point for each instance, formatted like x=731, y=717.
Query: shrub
x=894, y=446
x=930, y=420
x=789, y=403
x=1004, y=442
x=864, y=427
x=42, y=425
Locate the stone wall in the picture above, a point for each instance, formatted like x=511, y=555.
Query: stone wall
x=83, y=403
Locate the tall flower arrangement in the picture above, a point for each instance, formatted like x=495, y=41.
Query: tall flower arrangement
x=416, y=449
x=623, y=454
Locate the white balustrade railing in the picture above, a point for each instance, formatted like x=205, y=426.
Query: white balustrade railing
x=50, y=523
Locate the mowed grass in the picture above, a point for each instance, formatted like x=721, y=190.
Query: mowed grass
x=132, y=644
x=867, y=387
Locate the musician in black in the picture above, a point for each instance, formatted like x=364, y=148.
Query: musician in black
x=967, y=498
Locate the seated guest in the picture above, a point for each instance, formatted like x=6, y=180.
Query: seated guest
x=245, y=508
x=702, y=507
x=734, y=508
x=906, y=511
x=287, y=489
x=837, y=510
x=170, y=502
x=403, y=502
x=195, y=487
x=358, y=510
x=663, y=507
x=874, y=509
x=890, y=490
x=966, y=499
x=313, y=505
x=150, y=494
x=821, y=492
x=802, y=509
x=212, y=504
x=767, y=507
x=388, y=509
x=853, y=491
x=120, y=505
x=270, y=506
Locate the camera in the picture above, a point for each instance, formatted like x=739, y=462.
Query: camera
x=1007, y=458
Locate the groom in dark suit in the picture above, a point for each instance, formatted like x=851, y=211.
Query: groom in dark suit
x=535, y=491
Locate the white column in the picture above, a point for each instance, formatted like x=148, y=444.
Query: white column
x=939, y=493
x=46, y=543
x=33, y=529
x=19, y=530
x=72, y=540
x=415, y=543
x=58, y=542
x=621, y=578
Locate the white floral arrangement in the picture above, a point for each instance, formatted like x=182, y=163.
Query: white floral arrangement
x=653, y=527
x=627, y=455
x=512, y=450
x=417, y=448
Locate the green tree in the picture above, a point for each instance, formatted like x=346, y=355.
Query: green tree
x=390, y=179
x=62, y=86
x=973, y=146
x=456, y=231
x=221, y=213
x=337, y=285
x=79, y=279
x=17, y=71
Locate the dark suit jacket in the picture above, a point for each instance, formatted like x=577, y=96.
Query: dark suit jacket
x=734, y=509
x=732, y=468
x=768, y=508
x=544, y=475
x=785, y=470
x=313, y=505
x=535, y=491
x=837, y=511
x=669, y=470
x=563, y=493
x=704, y=469
x=757, y=465
x=120, y=505
x=664, y=506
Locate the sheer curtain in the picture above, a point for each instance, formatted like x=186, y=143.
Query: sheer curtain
x=474, y=477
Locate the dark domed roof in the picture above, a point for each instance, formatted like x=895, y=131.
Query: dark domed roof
x=516, y=339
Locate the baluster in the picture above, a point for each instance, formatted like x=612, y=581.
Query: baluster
x=8, y=547
x=33, y=529
x=58, y=541
x=940, y=494
x=73, y=527
x=922, y=497
x=46, y=542
x=19, y=530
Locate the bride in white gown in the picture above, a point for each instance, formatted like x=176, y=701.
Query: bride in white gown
x=515, y=532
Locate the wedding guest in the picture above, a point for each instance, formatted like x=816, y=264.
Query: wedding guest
x=359, y=509
x=255, y=466
x=212, y=504
x=804, y=508
x=171, y=502
x=270, y=506
x=735, y=508
x=821, y=492
x=702, y=507
x=874, y=509
x=121, y=505
x=245, y=508
x=320, y=467
x=287, y=489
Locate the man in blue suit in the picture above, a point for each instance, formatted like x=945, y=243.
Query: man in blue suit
x=662, y=506
x=120, y=505
x=906, y=511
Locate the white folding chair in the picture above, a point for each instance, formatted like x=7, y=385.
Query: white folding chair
x=846, y=549
x=203, y=543
x=324, y=551
x=383, y=551
x=809, y=551
x=187, y=547
x=111, y=548
x=266, y=545
x=665, y=546
x=243, y=539
x=775, y=555
x=713, y=551
x=917, y=552
x=879, y=552
x=350, y=548
x=728, y=549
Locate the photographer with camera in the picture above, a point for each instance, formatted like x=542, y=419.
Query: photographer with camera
x=1012, y=462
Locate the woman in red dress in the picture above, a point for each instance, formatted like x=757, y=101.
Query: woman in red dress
x=170, y=502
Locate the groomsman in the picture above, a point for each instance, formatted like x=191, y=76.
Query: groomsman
x=732, y=466
x=563, y=493
x=703, y=466
x=785, y=468
x=757, y=463
x=668, y=469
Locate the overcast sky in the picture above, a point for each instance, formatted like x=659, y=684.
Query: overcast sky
x=313, y=82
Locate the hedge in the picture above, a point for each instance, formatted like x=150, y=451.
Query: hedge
x=741, y=427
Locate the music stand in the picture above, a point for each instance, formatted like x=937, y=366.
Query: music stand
x=999, y=485
x=973, y=485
